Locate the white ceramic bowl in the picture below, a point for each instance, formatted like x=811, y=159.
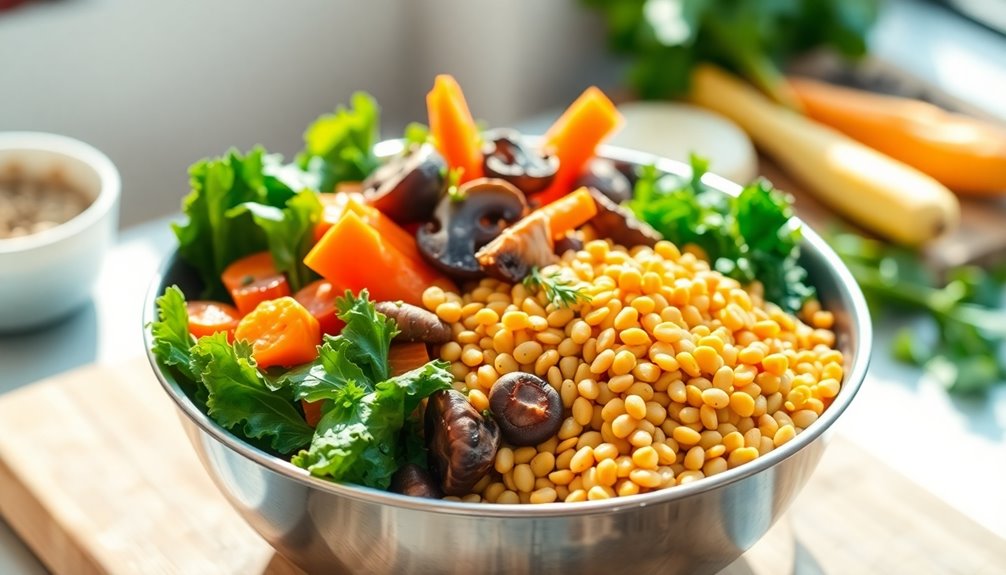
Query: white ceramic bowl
x=46, y=275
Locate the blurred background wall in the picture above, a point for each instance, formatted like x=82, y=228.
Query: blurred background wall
x=158, y=85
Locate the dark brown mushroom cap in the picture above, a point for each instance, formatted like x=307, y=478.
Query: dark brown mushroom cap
x=619, y=224
x=461, y=227
x=570, y=241
x=462, y=443
x=506, y=157
x=609, y=178
x=413, y=480
x=527, y=409
x=408, y=186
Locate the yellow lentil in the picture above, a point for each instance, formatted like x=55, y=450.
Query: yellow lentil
x=670, y=373
x=582, y=460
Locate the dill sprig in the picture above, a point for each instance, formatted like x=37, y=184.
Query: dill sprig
x=558, y=290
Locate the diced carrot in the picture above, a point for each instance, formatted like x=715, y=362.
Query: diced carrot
x=574, y=137
x=353, y=255
x=252, y=280
x=454, y=131
x=319, y=298
x=387, y=228
x=569, y=212
x=210, y=317
x=333, y=206
x=281, y=332
x=403, y=357
x=312, y=411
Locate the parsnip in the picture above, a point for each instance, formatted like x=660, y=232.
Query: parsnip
x=873, y=190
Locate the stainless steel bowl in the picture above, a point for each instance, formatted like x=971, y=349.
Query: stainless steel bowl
x=701, y=527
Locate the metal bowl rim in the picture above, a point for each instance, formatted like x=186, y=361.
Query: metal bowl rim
x=847, y=289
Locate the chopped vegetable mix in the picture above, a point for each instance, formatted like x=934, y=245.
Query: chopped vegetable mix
x=348, y=302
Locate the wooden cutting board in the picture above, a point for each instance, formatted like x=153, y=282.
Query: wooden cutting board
x=97, y=476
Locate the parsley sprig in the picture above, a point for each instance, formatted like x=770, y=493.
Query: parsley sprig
x=558, y=290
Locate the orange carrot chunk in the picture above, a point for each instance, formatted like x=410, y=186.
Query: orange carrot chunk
x=318, y=297
x=210, y=317
x=391, y=232
x=252, y=280
x=281, y=332
x=333, y=206
x=404, y=357
x=312, y=411
x=569, y=212
x=454, y=131
x=574, y=137
x=353, y=255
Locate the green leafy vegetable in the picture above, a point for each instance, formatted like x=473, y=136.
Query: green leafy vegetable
x=223, y=225
x=369, y=333
x=339, y=147
x=240, y=399
x=667, y=38
x=558, y=290
x=453, y=183
x=357, y=440
x=966, y=355
x=364, y=432
x=289, y=233
x=172, y=340
x=752, y=236
x=331, y=371
x=416, y=134
x=224, y=380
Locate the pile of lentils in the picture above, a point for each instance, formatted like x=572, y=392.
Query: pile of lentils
x=29, y=205
x=669, y=373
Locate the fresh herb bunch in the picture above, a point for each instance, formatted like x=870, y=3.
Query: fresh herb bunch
x=667, y=38
x=966, y=353
x=558, y=290
x=751, y=236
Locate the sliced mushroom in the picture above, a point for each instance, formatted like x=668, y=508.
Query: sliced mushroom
x=619, y=223
x=407, y=187
x=609, y=178
x=461, y=226
x=507, y=158
x=526, y=244
x=462, y=443
x=411, y=479
x=415, y=323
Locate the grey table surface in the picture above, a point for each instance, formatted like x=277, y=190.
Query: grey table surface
x=955, y=448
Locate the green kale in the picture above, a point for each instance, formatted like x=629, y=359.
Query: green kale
x=365, y=413
x=667, y=38
x=358, y=438
x=339, y=147
x=966, y=354
x=752, y=236
x=240, y=398
x=172, y=340
x=242, y=204
x=289, y=233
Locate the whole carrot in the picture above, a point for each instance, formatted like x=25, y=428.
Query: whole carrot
x=965, y=154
